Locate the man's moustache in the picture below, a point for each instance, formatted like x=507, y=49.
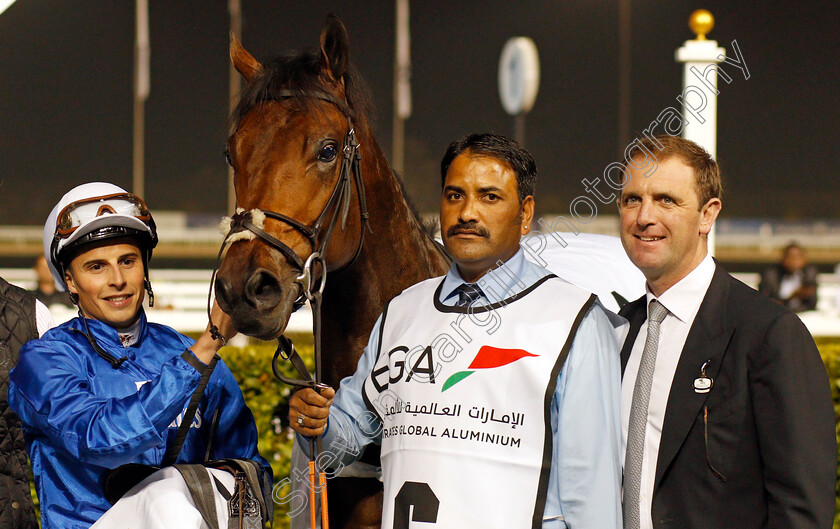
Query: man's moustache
x=468, y=226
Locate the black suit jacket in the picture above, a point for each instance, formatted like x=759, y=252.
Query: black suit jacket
x=758, y=450
x=771, y=283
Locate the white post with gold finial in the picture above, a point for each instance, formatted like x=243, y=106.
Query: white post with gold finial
x=700, y=58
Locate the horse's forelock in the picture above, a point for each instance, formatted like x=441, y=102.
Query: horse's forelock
x=301, y=73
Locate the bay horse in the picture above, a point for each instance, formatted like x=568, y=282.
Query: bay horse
x=297, y=115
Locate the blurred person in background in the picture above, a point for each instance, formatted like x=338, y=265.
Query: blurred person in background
x=792, y=282
x=45, y=291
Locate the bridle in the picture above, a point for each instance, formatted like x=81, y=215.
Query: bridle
x=350, y=170
x=311, y=284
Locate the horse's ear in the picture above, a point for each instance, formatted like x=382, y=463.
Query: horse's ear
x=244, y=62
x=335, y=48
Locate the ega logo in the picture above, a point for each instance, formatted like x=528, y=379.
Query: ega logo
x=424, y=368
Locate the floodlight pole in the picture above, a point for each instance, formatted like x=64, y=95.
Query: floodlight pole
x=234, y=86
x=402, y=83
x=142, y=85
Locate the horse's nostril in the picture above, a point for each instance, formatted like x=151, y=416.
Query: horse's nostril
x=224, y=293
x=263, y=290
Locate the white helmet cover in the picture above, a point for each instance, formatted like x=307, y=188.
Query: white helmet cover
x=89, y=221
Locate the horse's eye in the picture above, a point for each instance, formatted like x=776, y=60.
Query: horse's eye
x=327, y=153
x=227, y=158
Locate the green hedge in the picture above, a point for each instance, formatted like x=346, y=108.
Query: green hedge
x=830, y=352
x=268, y=399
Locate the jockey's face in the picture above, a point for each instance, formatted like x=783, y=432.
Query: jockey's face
x=109, y=282
x=481, y=217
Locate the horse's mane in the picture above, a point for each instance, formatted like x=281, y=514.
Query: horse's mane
x=300, y=72
x=430, y=226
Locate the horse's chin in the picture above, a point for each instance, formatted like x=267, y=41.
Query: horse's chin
x=263, y=325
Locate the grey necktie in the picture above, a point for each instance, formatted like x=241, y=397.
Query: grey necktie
x=638, y=418
x=467, y=294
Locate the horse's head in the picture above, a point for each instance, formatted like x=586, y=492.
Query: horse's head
x=290, y=150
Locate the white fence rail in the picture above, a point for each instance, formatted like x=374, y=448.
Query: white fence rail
x=181, y=301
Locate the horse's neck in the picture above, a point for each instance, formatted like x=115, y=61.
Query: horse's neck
x=396, y=254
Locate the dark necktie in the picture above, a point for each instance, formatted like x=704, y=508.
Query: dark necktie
x=467, y=294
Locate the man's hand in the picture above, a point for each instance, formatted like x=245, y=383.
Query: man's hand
x=309, y=410
x=206, y=347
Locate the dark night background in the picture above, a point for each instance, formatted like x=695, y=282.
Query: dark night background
x=67, y=68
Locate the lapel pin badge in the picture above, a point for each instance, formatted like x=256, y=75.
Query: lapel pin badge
x=703, y=384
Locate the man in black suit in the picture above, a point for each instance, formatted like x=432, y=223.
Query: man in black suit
x=726, y=411
x=792, y=282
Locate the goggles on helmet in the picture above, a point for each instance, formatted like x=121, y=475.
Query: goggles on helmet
x=81, y=212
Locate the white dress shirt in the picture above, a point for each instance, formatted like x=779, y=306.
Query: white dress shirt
x=682, y=301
